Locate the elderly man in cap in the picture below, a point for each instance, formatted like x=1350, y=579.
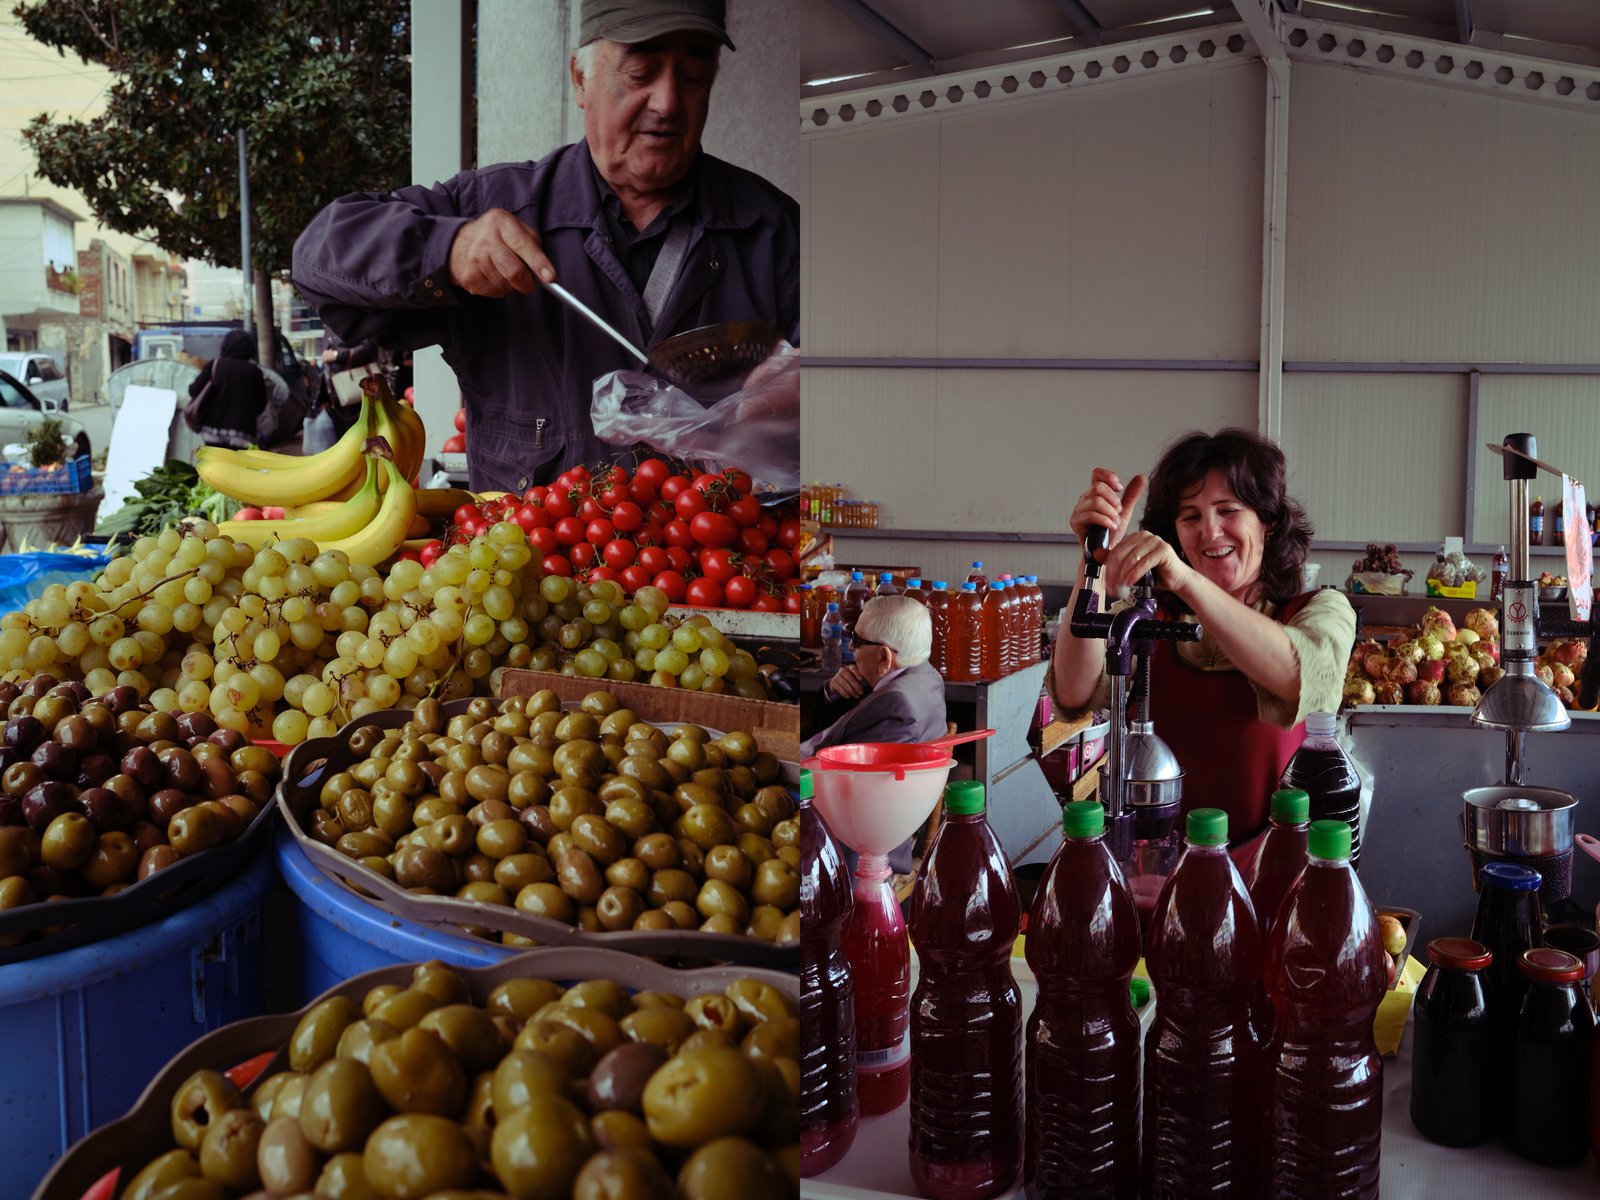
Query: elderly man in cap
x=636, y=220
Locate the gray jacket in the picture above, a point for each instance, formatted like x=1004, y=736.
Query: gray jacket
x=377, y=265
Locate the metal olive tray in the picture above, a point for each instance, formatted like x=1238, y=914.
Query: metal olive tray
x=135, y=1139
x=87, y=919
x=310, y=763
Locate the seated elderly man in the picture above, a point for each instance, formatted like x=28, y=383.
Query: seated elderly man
x=901, y=697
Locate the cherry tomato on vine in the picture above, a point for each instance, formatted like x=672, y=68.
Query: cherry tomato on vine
x=618, y=554
x=557, y=503
x=672, y=487
x=713, y=529
x=677, y=533
x=671, y=582
x=791, y=602
x=603, y=572
x=654, y=559
x=752, y=543
x=704, y=593
x=718, y=564
x=788, y=534
x=689, y=503
x=740, y=591
x=555, y=564
x=642, y=491
x=582, y=555
x=653, y=470
x=746, y=512
x=766, y=602
x=679, y=558
x=430, y=553
x=627, y=516
x=780, y=563
x=599, y=531
x=569, y=531
x=635, y=577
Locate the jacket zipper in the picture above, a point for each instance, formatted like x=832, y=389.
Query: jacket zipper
x=538, y=433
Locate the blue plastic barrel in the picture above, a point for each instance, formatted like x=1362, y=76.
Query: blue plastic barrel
x=87, y=1029
x=337, y=934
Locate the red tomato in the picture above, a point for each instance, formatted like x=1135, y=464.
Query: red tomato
x=766, y=602
x=627, y=516
x=672, y=584
x=410, y=556
x=430, y=552
x=569, y=531
x=740, y=591
x=641, y=490
x=677, y=533
x=535, y=494
x=603, y=572
x=690, y=502
x=713, y=529
x=740, y=480
x=791, y=602
x=746, y=511
x=660, y=511
x=672, y=487
x=544, y=539
x=788, y=534
x=461, y=420
x=654, y=559
x=752, y=543
x=555, y=564
x=589, y=509
x=618, y=554
x=582, y=555
x=720, y=565
x=530, y=517
x=599, y=532
x=557, y=503
x=635, y=577
x=614, y=474
x=780, y=562
x=613, y=494
x=768, y=525
x=704, y=593
x=648, y=534
x=471, y=527
x=679, y=558
x=456, y=443
x=466, y=513
x=652, y=469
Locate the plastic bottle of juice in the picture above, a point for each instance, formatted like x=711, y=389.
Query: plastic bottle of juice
x=977, y=576
x=992, y=643
x=832, y=637
x=1327, y=973
x=964, y=635
x=856, y=594
x=966, y=1016
x=1322, y=770
x=1281, y=856
x=886, y=585
x=1036, y=594
x=915, y=590
x=828, y=1111
x=1204, y=1093
x=1027, y=632
x=938, y=600
x=1010, y=618
x=1536, y=522
x=880, y=968
x=812, y=609
x=1083, y=1037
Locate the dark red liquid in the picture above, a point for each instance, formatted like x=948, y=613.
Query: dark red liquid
x=828, y=1112
x=1550, y=1076
x=966, y=1018
x=880, y=968
x=1323, y=771
x=1204, y=1090
x=1452, y=1055
x=1326, y=974
x=1278, y=863
x=1083, y=1035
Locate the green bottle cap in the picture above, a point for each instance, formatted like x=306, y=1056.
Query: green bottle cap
x=1139, y=991
x=1329, y=839
x=805, y=784
x=963, y=798
x=1207, y=827
x=1083, y=819
x=1291, y=806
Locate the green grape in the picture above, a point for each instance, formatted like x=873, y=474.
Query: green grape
x=477, y=582
x=349, y=618
x=654, y=636
x=550, y=627
x=742, y=665
x=273, y=589
x=514, y=630
x=294, y=689
x=266, y=645
x=663, y=679
x=99, y=681
x=575, y=634
x=362, y=707
x=317, y=699
x=92, y=658
x=170, y=594
x=672, y=660
x=168, y=540
x=480, y=627
x=591, y=664
x=346, y=593
x=151, y=645
x=233, y=621
x=73, y=639
x=372, y=590
x=14, y=644
x=370, y=653
x=306, y=635
x=294, y=608
x=534, y=607
x=452, y=567
x=118, y=571
x=555, y=588
x=645, y=658
x=715, y=684
x=503, y=578
x=331, y=568
x=609, y=648
x=125, y=654
x=269, y=682
x=196, y=590
x=348, y=643
x=654, y=599
x=608, y=629
x=477, y=663
x=400, y=659
x=622, y=670
x=198, y=665
x=241, y=691
x=448, y=598
x=496, y=646
x=515, y=558
x=687, y=638
x=597, y=612
x=633, y=617
x=322, y=727
x=692, y=676
x=194, y=696
x=482, y=555
x=232, y=718
x=165, y=700
x=214, y=610
x=520, y=655
x=211, y=571
x=289, y=727
x=134, y=680
x=545, y=658
x=499, y=603
x=299, y=578
x=192, y=551
x=714, y=662
x=270, y=564
x=449, y=624
x=506, y=533
x=105, y=629
x=41, y=653
x=383, y=690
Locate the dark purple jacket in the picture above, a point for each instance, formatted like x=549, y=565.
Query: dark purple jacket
x=377, y=264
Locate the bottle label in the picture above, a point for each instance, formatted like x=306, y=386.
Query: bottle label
x=888, y=1059
x=1536, y=524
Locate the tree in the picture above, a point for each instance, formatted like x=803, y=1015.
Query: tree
x=323, y=91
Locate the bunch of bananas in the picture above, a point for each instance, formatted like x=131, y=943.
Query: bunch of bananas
x=351, y=497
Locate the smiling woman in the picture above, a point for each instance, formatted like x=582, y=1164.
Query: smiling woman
x=1226, y=543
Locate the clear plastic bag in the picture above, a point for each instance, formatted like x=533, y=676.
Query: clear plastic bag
x=756, y=429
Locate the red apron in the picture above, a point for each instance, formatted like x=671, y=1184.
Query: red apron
x=1231, y=759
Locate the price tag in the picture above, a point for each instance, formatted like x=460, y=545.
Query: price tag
x=1453, y=545
x=1580, y=553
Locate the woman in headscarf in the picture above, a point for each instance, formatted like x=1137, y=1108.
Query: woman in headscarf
x=238, y=396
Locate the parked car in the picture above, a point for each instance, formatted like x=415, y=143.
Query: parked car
x=41, y=372
x=21, y=410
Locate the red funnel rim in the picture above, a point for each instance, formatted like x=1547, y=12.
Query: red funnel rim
x=883, y=756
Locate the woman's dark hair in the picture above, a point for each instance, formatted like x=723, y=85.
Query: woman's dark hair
x=1253, y=468
x=238, y=343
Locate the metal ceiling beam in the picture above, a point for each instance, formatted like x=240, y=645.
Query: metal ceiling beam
x=1082, y=20
x=1464, y=21
x=889, y=34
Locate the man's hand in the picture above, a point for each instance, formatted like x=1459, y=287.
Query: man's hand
x=847, y=684
x=496, y=254
x=329, y=356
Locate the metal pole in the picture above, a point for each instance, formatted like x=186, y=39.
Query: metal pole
x=244, y=226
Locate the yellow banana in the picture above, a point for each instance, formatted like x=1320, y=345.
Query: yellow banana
x=383, y=536
x=442, y=502
x=421, y=527
x=286, y=479
x=419, y=436
x=387, y=425
x=332, y=524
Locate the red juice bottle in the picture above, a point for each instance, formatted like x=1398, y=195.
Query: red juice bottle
x=966, y=1015
x=1204, y=1093
x=938, y=603
x=1327, y=973
x=1280, y=858
x=828, y=1110
x=880, y=970
x=1083, y=1037
x=963, y=635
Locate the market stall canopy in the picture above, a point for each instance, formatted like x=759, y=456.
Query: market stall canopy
x=851, y=44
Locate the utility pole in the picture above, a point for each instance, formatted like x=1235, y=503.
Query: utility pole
x=244, y=226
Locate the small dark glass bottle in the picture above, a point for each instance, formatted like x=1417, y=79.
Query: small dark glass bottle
x=1550, y=1071
x=1452, y=1051
x=1508, y=922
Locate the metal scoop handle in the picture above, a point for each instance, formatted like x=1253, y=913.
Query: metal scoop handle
x=595, y=319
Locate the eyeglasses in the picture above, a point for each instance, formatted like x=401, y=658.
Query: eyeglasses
x=857, y=641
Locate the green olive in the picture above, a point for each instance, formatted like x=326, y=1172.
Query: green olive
x=524, y=1074
x=561, y=1042
x=228, y=1149
x=658, y=851
x=406, y=1008
x=162, y=1172
x=417, y=1073
x=778, y=1037
x=200, y=1100
x=469, y=1032
x=545, y=900
x=519, y=870
x=341, y=1106
x=344, y=1177
x=195, y=829
x=664, y=1027
x=718, y=898
x=731, y=1166
x=538, y=1150
x=706, y=826
x=702, y=1095
x=622, y=1171
x=501, y=839
x=360, y=1037
x=760, y=1001
x=68, y=842
x=454, y=835
x=417, y=1154
x=316, y=1038
x=619, y=907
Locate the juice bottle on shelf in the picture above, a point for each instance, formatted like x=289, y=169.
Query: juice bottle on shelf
x=964, y=635
x=1082, y=1095
x=938, y=601
x=966, y=1016
x=1536, y=522
x=880, y=969
x=828, y=1109
x=1322, y=770
x=1027, y=636
x=1035, y=594
x=856, y=594
x=806, y=493
x=1204, y=1088
x=1281, y=856
x=832, y=636
x=1497, y=574
x=1452, y=1046
x=812, y=609
x=915, y=590
x=1554, y=1045
x=992, y=646
x=977, y=576
x=1558, y=535
x=1326, y=972
x=886, y=585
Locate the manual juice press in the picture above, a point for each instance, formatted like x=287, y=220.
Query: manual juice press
x=1141, y=783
